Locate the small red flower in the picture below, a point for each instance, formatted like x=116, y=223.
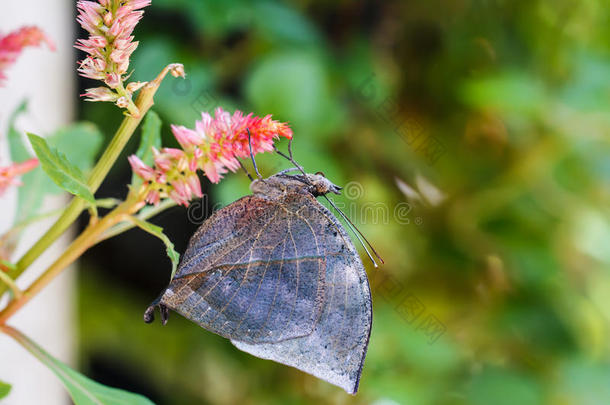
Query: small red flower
x=8, y=174
x=214, y=147
x=12, y=44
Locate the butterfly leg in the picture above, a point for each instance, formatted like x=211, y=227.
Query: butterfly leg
x=149, y=314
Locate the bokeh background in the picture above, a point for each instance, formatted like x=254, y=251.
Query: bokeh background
x=474, y=137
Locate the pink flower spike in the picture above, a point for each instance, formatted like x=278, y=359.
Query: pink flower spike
x=113, y=80
x=100, y=94
x=161, y=177
x=153, y=197
x=182, y=188
x=137, y=4
x=12, y=44
x=110, y=24
x=193, y=163
x=174, y=153
x=212, y=171
x=214, y=147
x=162, y=160
x=140, y=168
x=195, y=185
x=186, y=137
x=8, y=175
x=180, y=200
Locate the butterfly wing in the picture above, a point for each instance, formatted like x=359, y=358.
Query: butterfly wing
x=254, y=271
x=283, y=281
x=336, y=348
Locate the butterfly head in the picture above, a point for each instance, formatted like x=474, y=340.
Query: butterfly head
x=282, y=182
x=320, y=185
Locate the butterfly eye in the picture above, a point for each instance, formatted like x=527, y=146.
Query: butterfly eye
x=320, y=174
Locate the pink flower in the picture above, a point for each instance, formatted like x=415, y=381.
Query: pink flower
x=194, y=185
x=12, y=44
x=186, y=137
x=153, y=197
x=214, y=147
x=140, y=168
x=100, y=94
x=226, y=139
x=8, y=174
x=110, y=24
x=213, y=171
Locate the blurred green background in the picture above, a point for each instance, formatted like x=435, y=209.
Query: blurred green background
x=476, y=135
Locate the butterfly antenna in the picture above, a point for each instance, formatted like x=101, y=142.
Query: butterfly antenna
x=252, y=155
x=291, y=159
x=290, y=169
x=358, y=234
x=290, y=148
x=245, y=170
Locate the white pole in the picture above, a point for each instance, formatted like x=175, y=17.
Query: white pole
x=46, y=80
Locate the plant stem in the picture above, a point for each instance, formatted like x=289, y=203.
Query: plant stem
x=18, y=336
x=5, y=278
x=77, y=204
x=99, y=172
x=145, y=214
x=85, y=240
x=27, y=344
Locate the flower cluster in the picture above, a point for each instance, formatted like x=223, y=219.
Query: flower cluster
x=110, y=24
x=8, y=174
x=12, y=44
x=214, y=146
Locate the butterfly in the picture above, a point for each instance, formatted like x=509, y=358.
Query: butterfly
x=277, y=274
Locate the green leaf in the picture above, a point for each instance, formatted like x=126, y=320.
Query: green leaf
x=30, y=195
x=158, y=232
x=4, y=389
x=151, y=137
x=508, y=92
x=294, y=85
x=60, y=170
x=83, y=390
x=283, y=24
x=35, y=183
x=17, y=147
x=80, y=142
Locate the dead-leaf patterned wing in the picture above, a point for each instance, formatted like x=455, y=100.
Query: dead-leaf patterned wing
x=336, y=348
x=254, y=271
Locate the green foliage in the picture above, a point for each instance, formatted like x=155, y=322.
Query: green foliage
x=514, y=262
x=520, y=93
x=158, y=232
x=83, y=390
x=80, y=142
x=503, y=387
x=35, y=183
x=57, y=166
x=5, y=389
x=283, y=25
x=17, y=147
x=303, y=97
